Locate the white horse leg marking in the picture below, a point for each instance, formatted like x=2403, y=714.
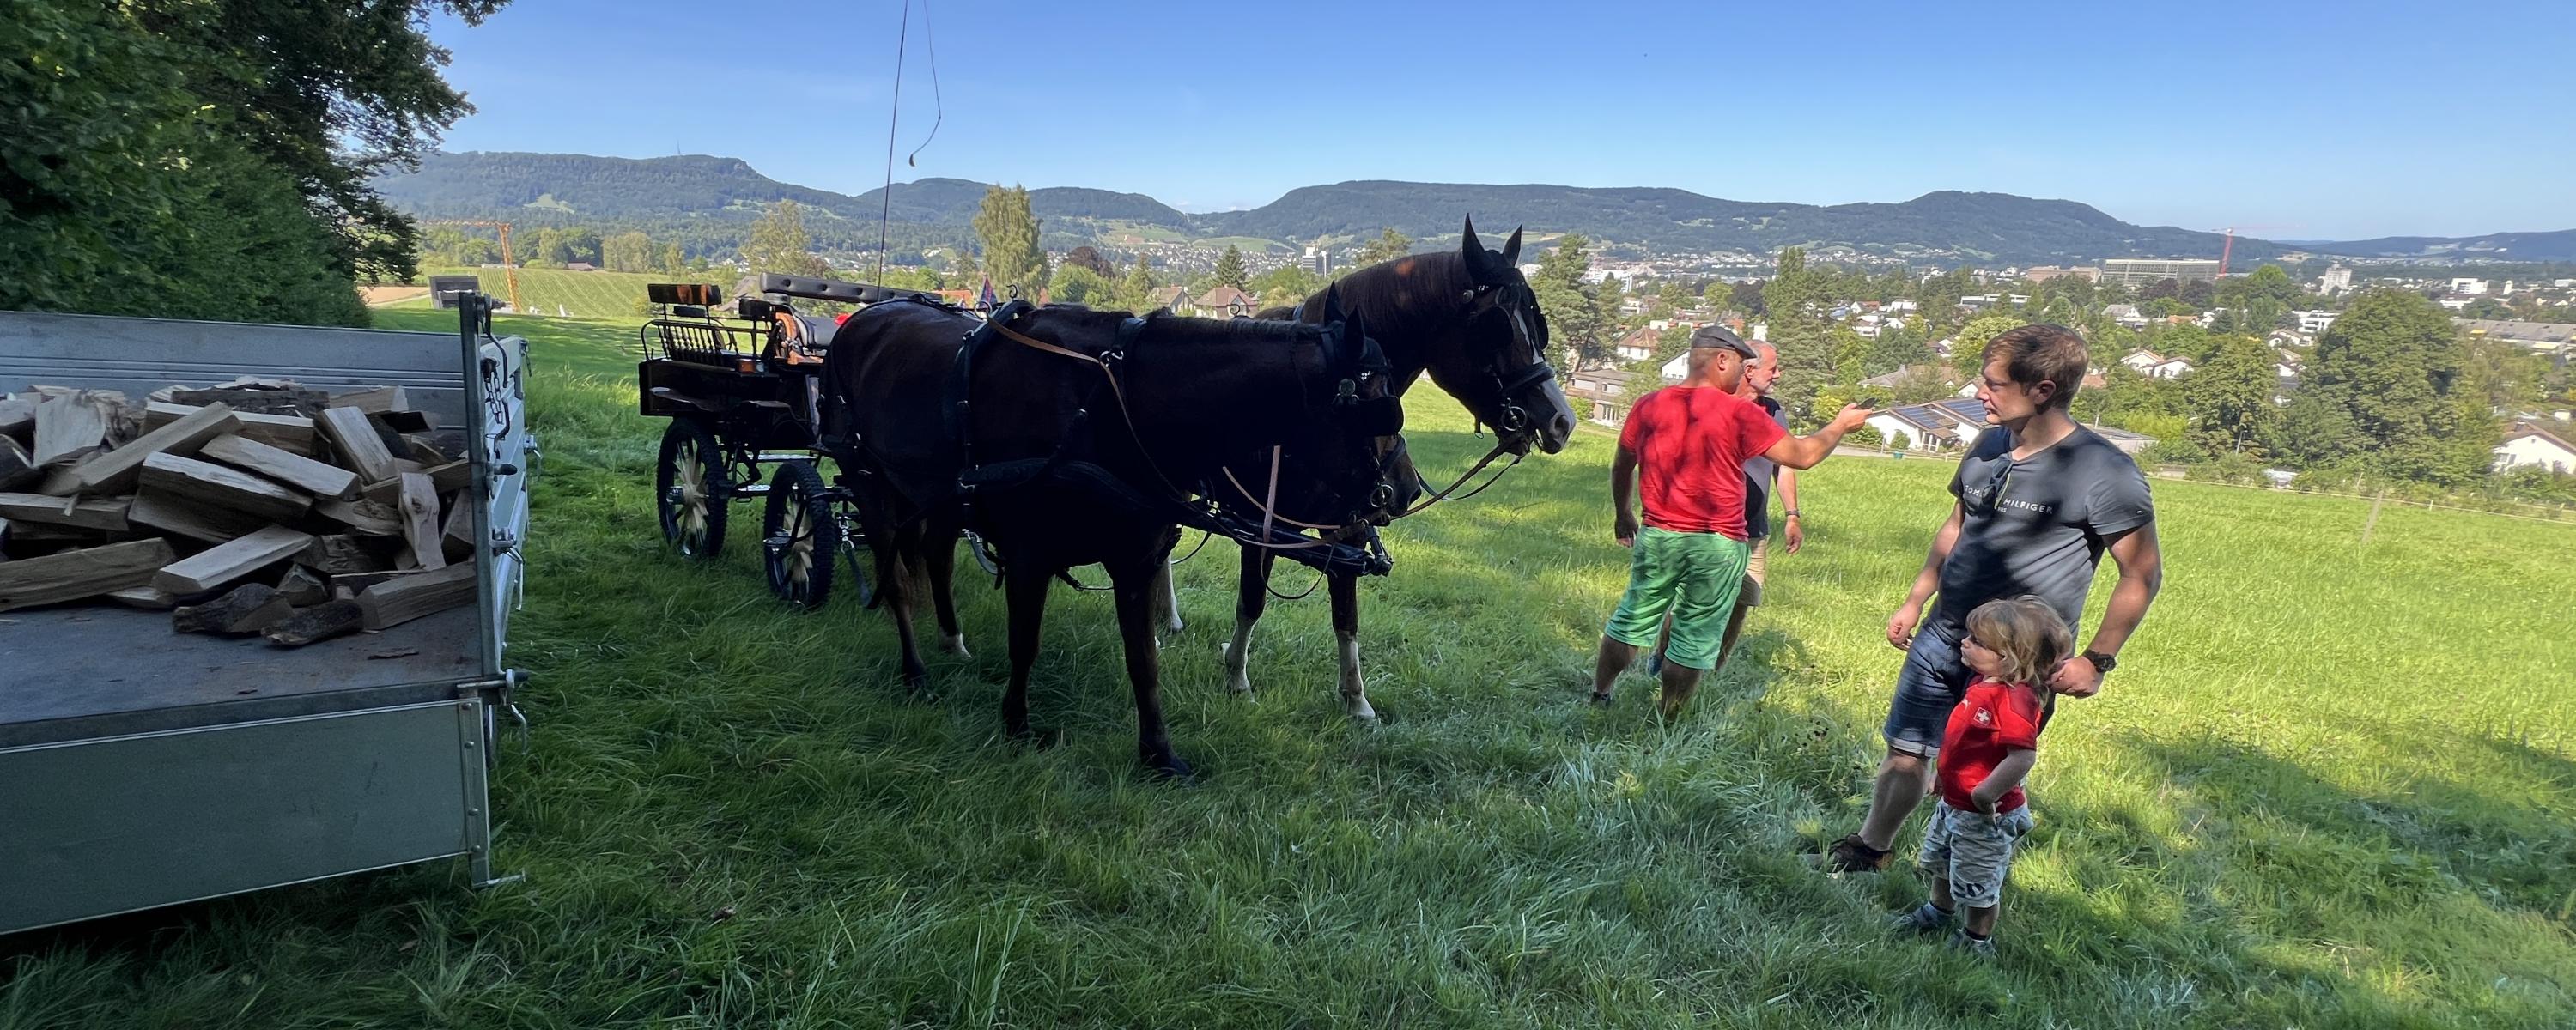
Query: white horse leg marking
x=955, y=643
x=1238, y=655
x=1355, y=701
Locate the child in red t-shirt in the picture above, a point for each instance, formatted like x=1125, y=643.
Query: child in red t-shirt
x=1990, y=744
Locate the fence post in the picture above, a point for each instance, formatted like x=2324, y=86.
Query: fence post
x=2373, y=521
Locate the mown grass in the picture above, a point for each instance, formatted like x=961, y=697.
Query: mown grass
x=2332, y=785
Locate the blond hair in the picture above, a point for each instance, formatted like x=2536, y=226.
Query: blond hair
x=2027, y=633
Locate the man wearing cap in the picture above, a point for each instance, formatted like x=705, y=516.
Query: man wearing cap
x=1683, y=451
x=1762, y=477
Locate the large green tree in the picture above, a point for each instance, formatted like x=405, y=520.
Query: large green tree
x=1575, y=316
x=2380, y=387
x=1968, y=349
x=1388, y=246
x=1795, y=299
x=778, y=243
x=1230, y=270
x=2232, y=397
x=1008, y=233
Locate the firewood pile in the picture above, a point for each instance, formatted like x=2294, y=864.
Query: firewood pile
x=255, y=506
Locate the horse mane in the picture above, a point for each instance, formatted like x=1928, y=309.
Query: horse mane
x=1441, y=273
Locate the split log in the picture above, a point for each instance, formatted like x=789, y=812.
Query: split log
x=248, y=609
x=399, y=601
x=225, y=563
x=302, y=587
x=366, y=518
x=355, y=583
x=373, y=400
x=339, y=555
x=320, y=622
x=425, y=452
x=302, y=473
x=145, y=597
x=184, y=517
x=456, y=532
x=17, y=414
x=451, y=476
x=355, y=438
x=17, y=467
x=73, y=575
x=70, y=428
x=266, y=402
x=117, y=470
x=214, y=484
x=97, y=513
x=290, y=433
x=420, y=520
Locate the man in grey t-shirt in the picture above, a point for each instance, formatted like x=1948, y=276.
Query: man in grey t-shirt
x=2040, y=500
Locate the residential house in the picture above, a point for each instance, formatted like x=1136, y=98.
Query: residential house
x=2545, y=337
x=1226, y=302
x=2314, y=322
x=1174, y=299
x=1636, y=346
x=1676, y=370
x=2126, y=315
x=1600, y=394
x=1913, y=428
x=2129, y=443
x=1911, y=374
x=2157, y=366
x=2529, y=446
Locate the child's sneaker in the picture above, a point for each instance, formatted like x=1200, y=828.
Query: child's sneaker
x=1980, y=948
x=1926, y=919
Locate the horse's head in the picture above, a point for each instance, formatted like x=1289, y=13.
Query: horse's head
x=1504, y=346
x=1361, y=462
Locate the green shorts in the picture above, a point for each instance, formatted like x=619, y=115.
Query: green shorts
x=1692, y=576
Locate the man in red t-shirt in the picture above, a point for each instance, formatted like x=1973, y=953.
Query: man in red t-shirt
x=1685, y=446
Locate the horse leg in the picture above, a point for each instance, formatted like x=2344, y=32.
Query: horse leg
x=1346, y=637
x=1166, y=599
x=889, y=548
x=1132, y=583
x=939, y=566
x=1251, y=595
x=1027, y=585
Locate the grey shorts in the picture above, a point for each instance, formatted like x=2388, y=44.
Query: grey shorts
x=1971, y=851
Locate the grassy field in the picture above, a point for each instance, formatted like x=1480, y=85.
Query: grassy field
x=2332, y=785
x=608, y=295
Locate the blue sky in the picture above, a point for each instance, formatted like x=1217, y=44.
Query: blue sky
x=2331, y=121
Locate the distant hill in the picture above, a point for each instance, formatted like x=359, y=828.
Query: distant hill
x=708, y=203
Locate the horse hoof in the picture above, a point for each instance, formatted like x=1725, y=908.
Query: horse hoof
x=1169, y=768
x=1359, y=711
x=955, y=645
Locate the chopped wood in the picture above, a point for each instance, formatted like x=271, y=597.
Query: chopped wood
x=28, y=532
x=399, y=601
x=302, y=586
x=251, y=382
x=302, y=473
x=366, y=518
x=71, y=427
x=425, y=452
x=99, y=513
x=355, y=438
x=18, y=414
x=340, y=555
x=293, y=433
x=226, y=563
x=17, y=467
x=373, y=399
x=222, y=487
x=451, y=476
x=406, y=421
x=266, y=402
x=188, y=518
x=117, y=470
x=456, y=531
x=144, y=597
x=357, y=582
x=248, y=609
x=73, y=575
x=320, y=622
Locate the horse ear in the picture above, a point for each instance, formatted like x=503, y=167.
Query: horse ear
x=1471, y=246
x=1512, y=247
x=1332, y=304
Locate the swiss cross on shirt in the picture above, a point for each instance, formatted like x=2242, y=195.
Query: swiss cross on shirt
x=1985, y=716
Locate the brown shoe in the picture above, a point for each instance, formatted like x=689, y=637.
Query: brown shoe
x=1852, y=855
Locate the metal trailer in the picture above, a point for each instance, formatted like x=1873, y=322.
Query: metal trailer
x=141, y=767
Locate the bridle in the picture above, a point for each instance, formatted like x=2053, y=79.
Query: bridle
x=1515, y=432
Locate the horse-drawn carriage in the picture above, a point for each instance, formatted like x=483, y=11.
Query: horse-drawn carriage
x=745, y=395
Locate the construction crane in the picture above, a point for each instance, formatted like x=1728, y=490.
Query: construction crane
x=2229, y=248
x=509, y=262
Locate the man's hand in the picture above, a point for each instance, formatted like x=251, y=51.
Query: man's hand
x=1796, y=537
x=1852, y=417
x=1900, y=626
x=1626, y=529
x=2076, y=677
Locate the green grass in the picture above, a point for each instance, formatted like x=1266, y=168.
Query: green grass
x=609, y=295
x=1251, y=244
x=2332, y=785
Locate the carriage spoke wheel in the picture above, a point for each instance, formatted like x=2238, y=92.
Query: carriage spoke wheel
x=800, y=537
x=690, y=490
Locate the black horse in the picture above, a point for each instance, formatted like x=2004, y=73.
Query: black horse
x=1066, y=436
x=1470, y=319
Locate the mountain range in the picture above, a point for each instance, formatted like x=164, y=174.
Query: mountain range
x=709, y=202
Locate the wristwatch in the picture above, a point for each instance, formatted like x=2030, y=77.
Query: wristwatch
x=1789, y=513
x=2102, y=663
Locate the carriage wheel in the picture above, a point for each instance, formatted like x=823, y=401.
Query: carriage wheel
x=800, y=537
x=690, y=489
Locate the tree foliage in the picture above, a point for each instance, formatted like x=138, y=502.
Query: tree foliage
x=1008, y=233
x=2380, y=388
x=778, y=243
x=2232, y=397
x=1388, y=246
x=1230, y=270
x=1576, y=318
